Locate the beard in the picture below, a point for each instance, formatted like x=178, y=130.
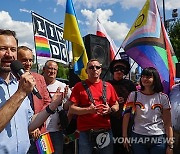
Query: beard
x=4, y=66
x=5, y=69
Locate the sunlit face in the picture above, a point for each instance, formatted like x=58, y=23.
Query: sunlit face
x=147, y=81
x=50, y=70
x=94, y=69
x=26, y=58
x=8, y=52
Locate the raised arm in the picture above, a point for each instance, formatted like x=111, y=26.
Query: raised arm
x=10, y=107
x=41, y=117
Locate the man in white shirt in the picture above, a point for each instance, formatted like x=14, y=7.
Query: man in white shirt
x=53, y=122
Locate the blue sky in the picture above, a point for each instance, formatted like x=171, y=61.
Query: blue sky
x=117, y=16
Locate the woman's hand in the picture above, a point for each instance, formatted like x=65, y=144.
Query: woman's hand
x=126, y=144
x=168, y=150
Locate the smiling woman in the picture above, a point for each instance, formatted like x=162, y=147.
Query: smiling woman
x=152, y=117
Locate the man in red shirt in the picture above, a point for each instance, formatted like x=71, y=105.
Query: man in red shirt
x=25, y=56
x=93, y=116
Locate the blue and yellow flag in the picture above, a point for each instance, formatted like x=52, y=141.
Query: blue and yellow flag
x=72, y=33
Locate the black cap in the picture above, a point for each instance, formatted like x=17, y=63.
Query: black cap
x=123, y=61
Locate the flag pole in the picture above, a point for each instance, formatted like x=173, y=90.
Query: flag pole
x=164, y=15
x=35, y=45
x=112, y=60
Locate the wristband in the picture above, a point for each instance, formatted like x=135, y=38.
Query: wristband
x=48, y=110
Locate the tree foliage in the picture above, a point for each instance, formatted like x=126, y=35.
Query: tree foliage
x=174, y=34
x=63, y=72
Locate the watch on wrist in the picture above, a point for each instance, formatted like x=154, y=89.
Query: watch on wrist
x=48, y=110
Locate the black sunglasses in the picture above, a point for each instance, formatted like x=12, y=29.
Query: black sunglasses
x=119, y=68
x=93, y=67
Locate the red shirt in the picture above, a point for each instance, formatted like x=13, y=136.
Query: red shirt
x=40, y=104
x=80, y=98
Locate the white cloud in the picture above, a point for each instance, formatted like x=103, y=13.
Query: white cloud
x=172, y=4
x=61, y=2
x=117, y=31
x=89, y=3
x=169, y=4
x=24, y=30
x=126, y=4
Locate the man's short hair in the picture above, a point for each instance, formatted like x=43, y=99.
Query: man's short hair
x=45, y=65
x=91, y=60
x=23, y=48
x=8, y=33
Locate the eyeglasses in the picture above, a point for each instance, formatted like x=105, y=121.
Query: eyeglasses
x=93, y=67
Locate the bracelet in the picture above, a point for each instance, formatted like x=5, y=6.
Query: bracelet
x=48, y=110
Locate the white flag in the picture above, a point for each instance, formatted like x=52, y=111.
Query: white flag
x=102, y=32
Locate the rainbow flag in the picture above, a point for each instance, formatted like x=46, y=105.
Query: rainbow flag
x=72, y=33
x=42, y=46
x=148, y=44
x=44, y=144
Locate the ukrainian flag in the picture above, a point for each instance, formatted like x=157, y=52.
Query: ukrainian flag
x=72, y=33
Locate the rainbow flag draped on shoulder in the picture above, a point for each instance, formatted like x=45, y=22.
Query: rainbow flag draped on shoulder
x=72, y=33
x=148, y=44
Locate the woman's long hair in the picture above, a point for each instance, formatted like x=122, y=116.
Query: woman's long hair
x=157, y=84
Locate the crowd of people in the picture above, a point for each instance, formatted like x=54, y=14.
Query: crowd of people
x=103, y=109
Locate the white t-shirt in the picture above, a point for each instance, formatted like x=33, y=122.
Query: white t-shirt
x=175, y=106
x=148, y=115
x=52, y=123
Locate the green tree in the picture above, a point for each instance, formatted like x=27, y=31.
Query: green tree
x=63, y=72
x=174, y=34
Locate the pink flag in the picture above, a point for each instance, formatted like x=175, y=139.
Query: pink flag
x=102, y=32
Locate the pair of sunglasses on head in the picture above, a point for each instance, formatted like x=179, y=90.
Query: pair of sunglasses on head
x=120, y=68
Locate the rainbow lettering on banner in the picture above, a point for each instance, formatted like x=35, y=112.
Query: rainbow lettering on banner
x=44, y=144
x=42, y=46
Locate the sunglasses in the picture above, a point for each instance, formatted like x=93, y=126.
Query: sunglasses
x=93, y=67
x=119, y=68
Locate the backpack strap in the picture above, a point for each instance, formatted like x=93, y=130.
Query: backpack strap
x=135, y=97
x=104, y=92
x=88, y=92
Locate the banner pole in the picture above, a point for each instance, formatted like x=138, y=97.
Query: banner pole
x=37, y=66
